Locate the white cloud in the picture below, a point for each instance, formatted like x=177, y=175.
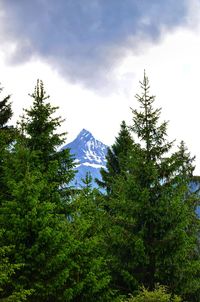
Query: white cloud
x=173, y=68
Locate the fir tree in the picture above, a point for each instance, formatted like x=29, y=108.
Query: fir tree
x=5, y=130
x=91, y=259
x=8, y=292
x=40, y=235
x=153, y=232
x=58, y=251
x=39, y=130
x=61, y=258
x=117, y=156
x=5, y=111
x=7, y=135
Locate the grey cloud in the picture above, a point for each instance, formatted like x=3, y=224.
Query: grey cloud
x=83, y=39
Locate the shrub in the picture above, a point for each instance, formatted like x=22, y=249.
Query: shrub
x=160, y=294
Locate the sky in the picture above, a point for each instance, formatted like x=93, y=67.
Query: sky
x=91, y=55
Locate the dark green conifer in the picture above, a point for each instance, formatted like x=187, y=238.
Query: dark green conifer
x=91, y=259
x=5, y=130
x=7, y=135
x=5, y=111
x=58, y=251
x=117, y=157
x=153, y=233
x=39, y=128
x=40, y=235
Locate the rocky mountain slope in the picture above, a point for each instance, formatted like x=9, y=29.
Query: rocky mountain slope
x=90, y=155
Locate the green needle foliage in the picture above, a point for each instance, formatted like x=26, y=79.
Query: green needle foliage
x=7, y=133
x=33, y=211
x=8, y=267
x=116, y=158
x=56, y=237
x=40, y=235
x=5, y=111
x=39, y=133
x=59, y=244
x=88, y=224
x=39, y=128
x=8, y=292
x=153, y=228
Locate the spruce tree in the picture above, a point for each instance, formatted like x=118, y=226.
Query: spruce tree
x=58, y=252
x=91, y=259
x=5, y=111
x=39, y=133
x=62, y=257
x=39, y=128
x=116, y=157
x=8, y=292
x=7, y=267
x=153, y=233
x=7, y=133
x=41, y=236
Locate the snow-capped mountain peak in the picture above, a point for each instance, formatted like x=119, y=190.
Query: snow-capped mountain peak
x=84, y=135
x=90, y=154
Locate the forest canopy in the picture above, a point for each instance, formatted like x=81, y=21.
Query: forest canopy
x=134, y=238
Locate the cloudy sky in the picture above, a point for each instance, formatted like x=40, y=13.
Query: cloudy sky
x=91, y=55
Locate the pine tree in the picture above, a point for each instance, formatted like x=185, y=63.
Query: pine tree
x=153, y=232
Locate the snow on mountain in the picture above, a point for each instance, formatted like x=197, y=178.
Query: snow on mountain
x=90, y=156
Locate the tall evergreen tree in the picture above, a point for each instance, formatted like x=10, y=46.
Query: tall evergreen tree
x=117, y=157
x=39, y=132
x=40, y=235
x=5, y=130
x=153, y=232
x=39, y=128
x=58, y=251
x=61, y=256
x=91, y=259
x=8, y=292
x=5, y=111
x=7, y=134
x=7, y=266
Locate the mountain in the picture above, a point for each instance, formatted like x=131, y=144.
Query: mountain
x=90, y=156
x=194, y=186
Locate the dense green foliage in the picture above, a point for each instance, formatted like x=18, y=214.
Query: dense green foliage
x=58, y=259
x=7, y=133
x=152, y=225
x=5, y=111
x=116, y=158
x=39, y=128
x=160, y=294
x=59, y=243
x=8, y=267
